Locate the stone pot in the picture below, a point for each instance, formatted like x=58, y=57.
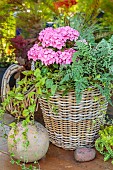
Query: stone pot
x=38, y=143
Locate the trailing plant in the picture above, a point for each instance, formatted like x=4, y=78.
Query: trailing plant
x=25, y=144
x=27, y=115
x=104, y=144
x=24, y=114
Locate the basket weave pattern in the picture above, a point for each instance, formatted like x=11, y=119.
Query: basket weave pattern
x=70, y=124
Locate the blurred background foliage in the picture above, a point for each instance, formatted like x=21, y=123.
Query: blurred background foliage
x=29, y=17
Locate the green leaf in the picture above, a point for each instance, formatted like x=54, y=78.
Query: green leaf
x=18, y=162
x=19, y=96
x=44, y=70
x=107, y=157
x=42, y=81
x=98, y=76
x=96, y=98
x=39, y=90
x=11, y=93
x=65, y=79
x=49, y=83
x=12, y=136
x=28, y=72
x=21, y=82
x=12, y=161
x=37, y=72
x=31, y=108
x=53, y=89
x=25, y=112
x=12, y=154
x=12, y=124
x=24, y=123
x=31, y=94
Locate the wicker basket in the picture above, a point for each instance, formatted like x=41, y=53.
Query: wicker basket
x=70, y=124
x=5, y=87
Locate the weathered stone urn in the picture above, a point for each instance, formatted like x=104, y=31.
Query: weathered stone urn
x=38, y=142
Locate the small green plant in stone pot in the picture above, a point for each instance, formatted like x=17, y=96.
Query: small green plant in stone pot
x=28, y=140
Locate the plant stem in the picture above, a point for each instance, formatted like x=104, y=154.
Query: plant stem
x=4, y=152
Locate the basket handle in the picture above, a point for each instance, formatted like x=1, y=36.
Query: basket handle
x=11, y=70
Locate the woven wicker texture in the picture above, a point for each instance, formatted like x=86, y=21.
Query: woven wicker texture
x=70, y=124
x=14, y=68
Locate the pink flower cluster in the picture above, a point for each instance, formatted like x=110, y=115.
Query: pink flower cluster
x=57, y=38
x=52, y=46
x=48, y=56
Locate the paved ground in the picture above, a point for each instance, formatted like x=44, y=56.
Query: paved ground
x=55, y=159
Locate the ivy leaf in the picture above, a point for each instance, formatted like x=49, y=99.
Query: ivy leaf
x=12, y=154
x=11, y=93
x=12, y=136
x=111, y=69
x=31, y=108
x=24, y=123
x=12, y=124
x=12, y=161
x=44, y=71
x=25, y=112
x=18, y=162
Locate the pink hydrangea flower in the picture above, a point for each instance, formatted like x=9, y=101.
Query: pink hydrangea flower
x=65, y=57
x=35, y=52
x=52, y=46
x=57, y=38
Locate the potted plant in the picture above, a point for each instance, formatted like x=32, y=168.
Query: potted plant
x=28, y=140
x=73, y=81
